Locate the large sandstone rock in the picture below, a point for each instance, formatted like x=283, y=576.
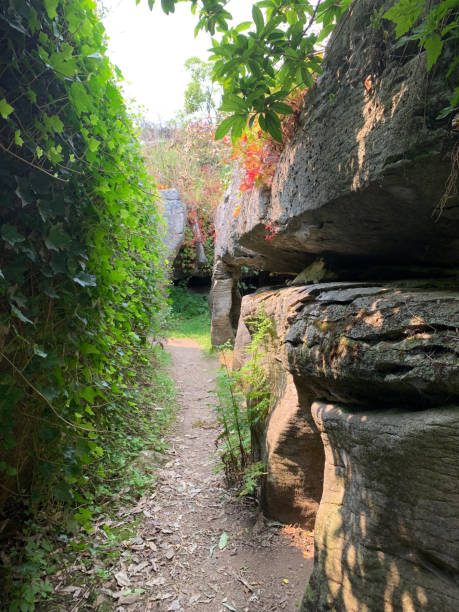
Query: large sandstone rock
x=224, y=302
x=375, y=357
x=387, y=531
x=360, y=180
x=379, y=366
x=174, y=211
x=380, y=344
x=288, y=440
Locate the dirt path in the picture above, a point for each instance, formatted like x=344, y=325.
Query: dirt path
x=176, y=563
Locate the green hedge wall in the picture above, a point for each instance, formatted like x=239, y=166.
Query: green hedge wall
x=81, y=281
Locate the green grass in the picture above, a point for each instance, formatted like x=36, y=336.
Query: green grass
x=189, y=317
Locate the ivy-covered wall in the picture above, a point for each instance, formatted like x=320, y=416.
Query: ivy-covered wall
x=80, y=251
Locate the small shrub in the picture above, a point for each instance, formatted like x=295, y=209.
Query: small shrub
x=244, y=401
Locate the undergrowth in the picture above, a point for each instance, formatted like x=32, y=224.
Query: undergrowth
x=59, y=538
x=244, y=401
x=189, y=316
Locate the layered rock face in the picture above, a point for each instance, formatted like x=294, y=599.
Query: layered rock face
x=364, y=426
x=289, y=442
x=370, y=374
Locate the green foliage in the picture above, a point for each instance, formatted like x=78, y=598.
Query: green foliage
x=247, y=56
x=432, y=30
x=81, y=284
x=189, y=316
x=260, y=62
x=244, y=401
x=193, y=163
x=200, y=92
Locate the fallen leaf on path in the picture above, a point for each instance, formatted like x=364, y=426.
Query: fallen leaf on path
x=175, y=606
x=159, y=581
x=135, y=569
x=169, y=554
x=223, y=541
x=70, y=589
x=122, y=579
x=129, y=598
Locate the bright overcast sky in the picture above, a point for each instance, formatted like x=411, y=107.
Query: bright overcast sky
x=150, y=48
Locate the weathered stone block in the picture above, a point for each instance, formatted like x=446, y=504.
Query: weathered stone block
x=387, y=531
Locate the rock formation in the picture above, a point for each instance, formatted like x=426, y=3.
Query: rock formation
x=360, y=180
x=364, y=366
x=372, y=371
x=174, y=211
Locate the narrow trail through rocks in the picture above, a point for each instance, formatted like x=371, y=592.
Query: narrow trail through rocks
x=179, y=560
x=261, y=567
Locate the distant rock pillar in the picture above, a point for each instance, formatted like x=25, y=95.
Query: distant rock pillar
x=224, y=302
x=174, y=211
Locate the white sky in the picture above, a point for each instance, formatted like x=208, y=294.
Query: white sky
x=150, y=48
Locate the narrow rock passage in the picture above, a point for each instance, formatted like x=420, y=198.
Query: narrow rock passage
x=260, y=568
x=197, y=545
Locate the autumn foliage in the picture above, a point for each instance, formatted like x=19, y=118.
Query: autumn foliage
x=257, y=153
x=193, y=162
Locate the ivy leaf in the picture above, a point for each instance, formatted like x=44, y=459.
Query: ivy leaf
x=20, y=315
x=88, y=394
x=404, y=14
x=60, y=63
x=79, y=97
x=17, y=138
x=5, y=108
x=55, y=123
x=223, y=541
x=57, y=239
x=51, y=8
x=24, y=191
x=85, y=280
x=433, y=45
x=93, y=144
x=11, y=235
x=39, y=351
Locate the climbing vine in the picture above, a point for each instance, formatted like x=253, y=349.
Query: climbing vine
x=257, y=152
x=81, y=284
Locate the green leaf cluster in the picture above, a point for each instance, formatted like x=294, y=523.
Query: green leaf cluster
x=433, y=30
x=81, y=280
x=259, y=62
